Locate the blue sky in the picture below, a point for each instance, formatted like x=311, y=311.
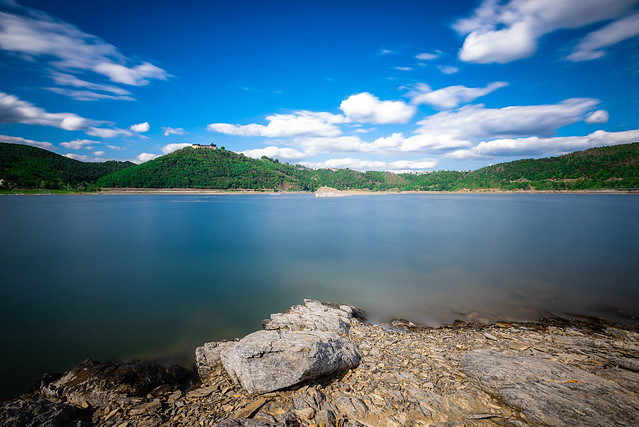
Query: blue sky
x=371, y=85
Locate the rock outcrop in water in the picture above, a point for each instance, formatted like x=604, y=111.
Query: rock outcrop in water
x=556, y=372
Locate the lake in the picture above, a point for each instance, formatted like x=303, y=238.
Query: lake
x=154, y=276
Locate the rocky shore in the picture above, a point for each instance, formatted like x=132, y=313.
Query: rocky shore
x=322, y=364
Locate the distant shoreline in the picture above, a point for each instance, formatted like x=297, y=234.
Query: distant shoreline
x=205, y=191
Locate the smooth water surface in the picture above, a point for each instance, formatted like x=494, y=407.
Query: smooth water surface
x=113, y=277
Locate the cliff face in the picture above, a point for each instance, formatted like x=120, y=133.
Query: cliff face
x=556, y=372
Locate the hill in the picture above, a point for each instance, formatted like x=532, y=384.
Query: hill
x=26, y=167
x=21, y=166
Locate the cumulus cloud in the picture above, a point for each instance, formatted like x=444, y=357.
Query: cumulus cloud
x=145, y=157
x=367, y=108
x=592, y=46
x=169, y=148
x=275, y=153
x=451, y=96
x=286, y=125
x=140, y=127
x=19, y=140
x=504, y=32
x=599, y=116
x=399, y=166
x=34, y=34
x=536, y=146
x=15, y=110
x=79, y=143
x=172, y=131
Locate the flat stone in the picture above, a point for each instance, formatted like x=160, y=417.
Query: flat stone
x=552, y=393
x=265, y=361
x=314, y=316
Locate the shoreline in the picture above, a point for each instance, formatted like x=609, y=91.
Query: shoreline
x=337, y=193
x=556, y=371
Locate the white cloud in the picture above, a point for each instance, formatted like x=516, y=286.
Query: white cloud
x=451, y=96
x=145, y=157
x=140, y=127
x=169, y=148
x=502, y=33
x=84, y=158
x=591, y=46
x=275, y=153
x=79, y=143
x=448, y=69
x=19, y=140
x=107, y=132
x=399, y=166
x=475, y=121
x=599, y=116
x=404, y=68
x=286, y=125
x=87, y=95
x=35, y=34
x=15, y=110
x=64, y=79
x=98, y=153
x=428, y=56
x=172, y=131
x=364, y=107
x=535, y=146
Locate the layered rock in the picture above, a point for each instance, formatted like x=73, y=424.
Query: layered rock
x=315, y=316
x=551, y=393
x=271, y=360
x=100, y=384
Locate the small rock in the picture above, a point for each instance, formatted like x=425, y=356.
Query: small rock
x=207, y=357
x=314, y=316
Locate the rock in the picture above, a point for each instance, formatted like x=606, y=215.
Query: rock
x=315, y=316
x=42, y=413
x=552, y=393
x=271, y=360
x=330, y=192
x=103, y=383
x=207, y=357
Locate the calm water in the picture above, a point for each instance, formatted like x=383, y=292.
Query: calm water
x=113, y=277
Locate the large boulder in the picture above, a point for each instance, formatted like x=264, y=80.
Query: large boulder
x=315, y=316
x=265, y=361
x=552, y=393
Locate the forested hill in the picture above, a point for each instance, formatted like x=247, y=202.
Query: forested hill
x=26, y=167
x=616, y=166
x=21, y=166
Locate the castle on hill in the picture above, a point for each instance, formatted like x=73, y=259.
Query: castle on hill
x=212, y=146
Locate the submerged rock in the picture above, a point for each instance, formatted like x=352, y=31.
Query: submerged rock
x=271, y=360
x=552, y=393
x=315, y=316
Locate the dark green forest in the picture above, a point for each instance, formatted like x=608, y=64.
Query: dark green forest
x=25, y=167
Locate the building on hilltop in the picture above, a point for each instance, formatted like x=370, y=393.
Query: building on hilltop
x=212, y=146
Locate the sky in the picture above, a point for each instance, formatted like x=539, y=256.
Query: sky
x=404, y=86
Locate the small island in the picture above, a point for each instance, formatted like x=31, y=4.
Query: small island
x=323, y=364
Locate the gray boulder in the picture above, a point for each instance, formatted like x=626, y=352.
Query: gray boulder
x=207, y=357
x=315, y=316
x=552, y=393
x=265, y=361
